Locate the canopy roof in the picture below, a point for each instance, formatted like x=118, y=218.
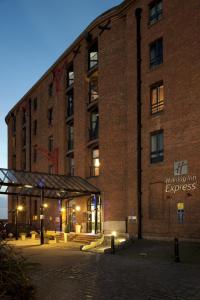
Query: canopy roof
x=24, y=183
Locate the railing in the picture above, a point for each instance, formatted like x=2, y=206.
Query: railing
x=70, y=110
x=157, y=107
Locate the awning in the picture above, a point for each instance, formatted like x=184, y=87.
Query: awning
x=54, y=186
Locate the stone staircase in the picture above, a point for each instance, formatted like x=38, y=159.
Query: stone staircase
x=82, y=238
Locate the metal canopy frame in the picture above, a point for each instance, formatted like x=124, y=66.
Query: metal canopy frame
x=22, y=183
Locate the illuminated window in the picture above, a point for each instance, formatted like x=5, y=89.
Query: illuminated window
x=157, y=97
x=70, y=76
x=157, y=147
x=93, y=56
x=156, y=53
x=155, y=11
x=95, y=162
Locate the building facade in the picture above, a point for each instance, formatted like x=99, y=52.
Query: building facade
x=120, y=108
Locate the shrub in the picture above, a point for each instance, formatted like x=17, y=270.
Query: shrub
x=14, y=284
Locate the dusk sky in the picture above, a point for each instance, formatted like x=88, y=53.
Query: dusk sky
x=34, y=33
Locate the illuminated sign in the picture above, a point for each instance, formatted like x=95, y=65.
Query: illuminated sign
x=180, y=184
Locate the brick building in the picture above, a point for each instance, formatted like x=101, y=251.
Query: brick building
x=120, y=108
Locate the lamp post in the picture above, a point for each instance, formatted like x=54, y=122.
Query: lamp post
x=42, y=218
x=62, y=210
x=18, y=208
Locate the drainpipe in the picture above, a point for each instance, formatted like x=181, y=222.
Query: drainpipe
x=138, y=12
x=30, y=157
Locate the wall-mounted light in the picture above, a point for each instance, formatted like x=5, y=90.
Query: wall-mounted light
x=45, y=205
x=20, y=208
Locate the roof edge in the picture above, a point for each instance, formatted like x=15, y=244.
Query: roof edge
x=110, y=13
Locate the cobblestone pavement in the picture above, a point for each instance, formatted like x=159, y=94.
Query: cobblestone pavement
x=145, y=271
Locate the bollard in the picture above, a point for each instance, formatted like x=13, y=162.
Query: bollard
x=112, y=244
x=176, y=250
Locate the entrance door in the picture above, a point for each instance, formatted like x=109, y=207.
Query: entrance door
x=94, y=214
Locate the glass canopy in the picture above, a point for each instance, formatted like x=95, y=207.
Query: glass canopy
x=54, y=186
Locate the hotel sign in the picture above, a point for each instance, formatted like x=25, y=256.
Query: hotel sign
x=181, y=181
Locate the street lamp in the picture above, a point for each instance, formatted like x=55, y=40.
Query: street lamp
x=18, y=209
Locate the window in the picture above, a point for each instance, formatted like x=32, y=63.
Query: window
x=93, y=90
x=70, y=104
x=50, y=89
x=24, y=137
x=155, y=12
x=94, y=126
x=70, y=76
x=157, y=97
x=23, y=160
x=50, y=169
x=70, y=137
x=50, y=116
x=13, y=124
x=157, y=149
x=23, y=116
x=35, y=153
x=93, y=56
x=50, y=144
x=35, y=207
x=35, y=127
x=95, y=162
x=71, y=165
x=156, y=53
x=35, y=103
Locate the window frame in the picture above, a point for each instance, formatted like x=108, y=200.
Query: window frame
x=158, y=14
x=159, y=106
x=93, y=63
x=158, y=60
x=50, y=143
x=158, y=152
x=95, y=170
x=70, y=81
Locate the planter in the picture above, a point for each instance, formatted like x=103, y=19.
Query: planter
x=46, y=240
x=23, y=236
x=65, y=237
x=78, y=228
x=33, y=235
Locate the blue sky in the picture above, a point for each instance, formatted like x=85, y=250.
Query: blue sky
x=33, y=34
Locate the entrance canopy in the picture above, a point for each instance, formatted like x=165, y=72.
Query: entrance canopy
x=24, y=183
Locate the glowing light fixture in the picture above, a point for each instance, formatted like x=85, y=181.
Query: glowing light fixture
x=20, y=207
x=114, y=233
x=28, y=186
x=63, y=209
x=45, y=205
x=78, y=208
